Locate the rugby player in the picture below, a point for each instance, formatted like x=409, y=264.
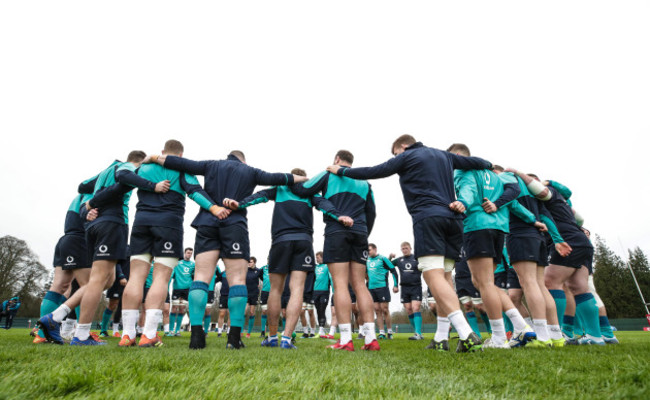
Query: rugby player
x=411, y=287
x=228, y=238
x=378, y=267
x=426, y=180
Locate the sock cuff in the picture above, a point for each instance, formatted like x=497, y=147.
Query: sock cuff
x=558, y=294
x=251, y=317
x=444, y=319
x=417, y=314
x=55, y=297
x=237, y=291
x=581, y=298
x=471, y=314
x=412, y=316
x=604, y=320
x=108, y=311
x=569, y=319
x=198, y=285
x=457, y=312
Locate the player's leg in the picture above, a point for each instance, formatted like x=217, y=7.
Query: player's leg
x=162, y=272
x=205, y=260
x=274, y=308
x=554, y=329
x=527, y=274
x=294, y=307
x=586, y=307
x=357, y=278
x=387, y=318
x=132, y=297
x=483, y=279
x=340, y=278
x=605, y=327
x=166, y=314
x=409, y=311
x=334, y=323
x=417, y=317
x=380, y=319
x=102, y=275
x=312, y=319
x=54, y=297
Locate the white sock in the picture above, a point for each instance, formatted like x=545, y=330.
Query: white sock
x=457, y=319
x=139, y=329
x=83, y=331
x=529, y=321
x=321, y=331
x=382, y=332
x=332, y=330
x=219, y=330
x=518, y=323
x=498, y=330
x=541, y=330
x=311, y=331
x=442, y=329
x=116, y=328
x=166, y=327
x=390, y=331
x=346, y=332
x=555, y=332
x=60, y=313
x=67, y=327
x=152, y=319
x=369, y=327
x=305, y=330
x=129, y=319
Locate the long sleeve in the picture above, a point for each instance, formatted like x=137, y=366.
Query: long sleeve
x=521, y=212
x=127, y=177
x=262, y=196
x=312, y=187
x=325, y=206
x=467, y=163
x=194, y=191
x=382, y=170
x=268, y=178
x=109, y=195
x=391, y=268
x=371, y=212
x=466, y=189
x=185, y=165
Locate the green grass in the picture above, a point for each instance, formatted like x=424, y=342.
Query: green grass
x=401, y=370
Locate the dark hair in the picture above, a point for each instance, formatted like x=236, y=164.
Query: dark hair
x=404, y=139
x=459, y=148
x=374, y=246
x=254, y=259
x=239, y=154
x=173, y=147
x=298, y=171
x=533, y=176
x=188, y=248
x=345, y=156
x=136, y=156
x=319, y=253
x=496, y=167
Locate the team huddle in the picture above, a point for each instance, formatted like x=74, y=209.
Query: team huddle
x=507, y=235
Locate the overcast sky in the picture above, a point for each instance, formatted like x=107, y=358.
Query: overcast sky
x=559, y=88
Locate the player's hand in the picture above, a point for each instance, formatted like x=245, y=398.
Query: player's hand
x=346, y=221
x=391, y=256
x=457, y=206
x=541, y=226
x=123, y=281
x=488, y=206
x=299, y=179
x=92, y=214
x=546, y=183
x=87, y=205
x=395, y=289
x=220, y=212
x=162, y=186
x=334, y=169
x=230, y=203
x=563, y=248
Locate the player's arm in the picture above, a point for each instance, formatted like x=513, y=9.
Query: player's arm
x=276, y=179
x=326, y=207
x=522, y=212
x=511, y=190
x=194, y=191
x=88, y=186
x=535, y=187
x=127, y=176
x=563, y=190
x=382, y=170
x=467, y=163
x=546, y=217
x=108, y=195
x=391, y=268
x=371, y=211
x=466, y=189
x=181, y=164
x=260, y=197
x=317, y=184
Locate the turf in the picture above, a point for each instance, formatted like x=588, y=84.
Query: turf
x=402, y=369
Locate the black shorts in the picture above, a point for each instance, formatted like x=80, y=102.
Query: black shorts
x=465, y=287
x=513, y=279
x=115, y=291
x=71, y=253
x=159, y=241
x=320, y=297
x=308, y=297
x=345, y=247
x=291, y=255
x=167, y=300
x=484, y=243
x=264, y=298
x=210, y=296
x=145, y=291
x=252, y=298
x=181, y=294
x=223, y=302
x=527, y=249
x=107, y=241
x=501, y=279
x=438, y=236
x=410, y=293
x=232, y=241
x=579, y=256
x=284, y=301
x=380, y=295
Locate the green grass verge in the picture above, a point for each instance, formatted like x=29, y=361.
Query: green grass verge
x=401, y=370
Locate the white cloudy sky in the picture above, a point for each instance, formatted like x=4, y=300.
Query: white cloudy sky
x=559, y=88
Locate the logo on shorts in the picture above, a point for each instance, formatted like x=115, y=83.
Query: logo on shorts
x=408, y=266
x=103, y=249
x=235, y=246
x=365, y=254
x=70, y=259
x=308, y=260
x=383, y=298
x=168, y=245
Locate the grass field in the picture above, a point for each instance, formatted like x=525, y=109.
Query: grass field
x=401, y=370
